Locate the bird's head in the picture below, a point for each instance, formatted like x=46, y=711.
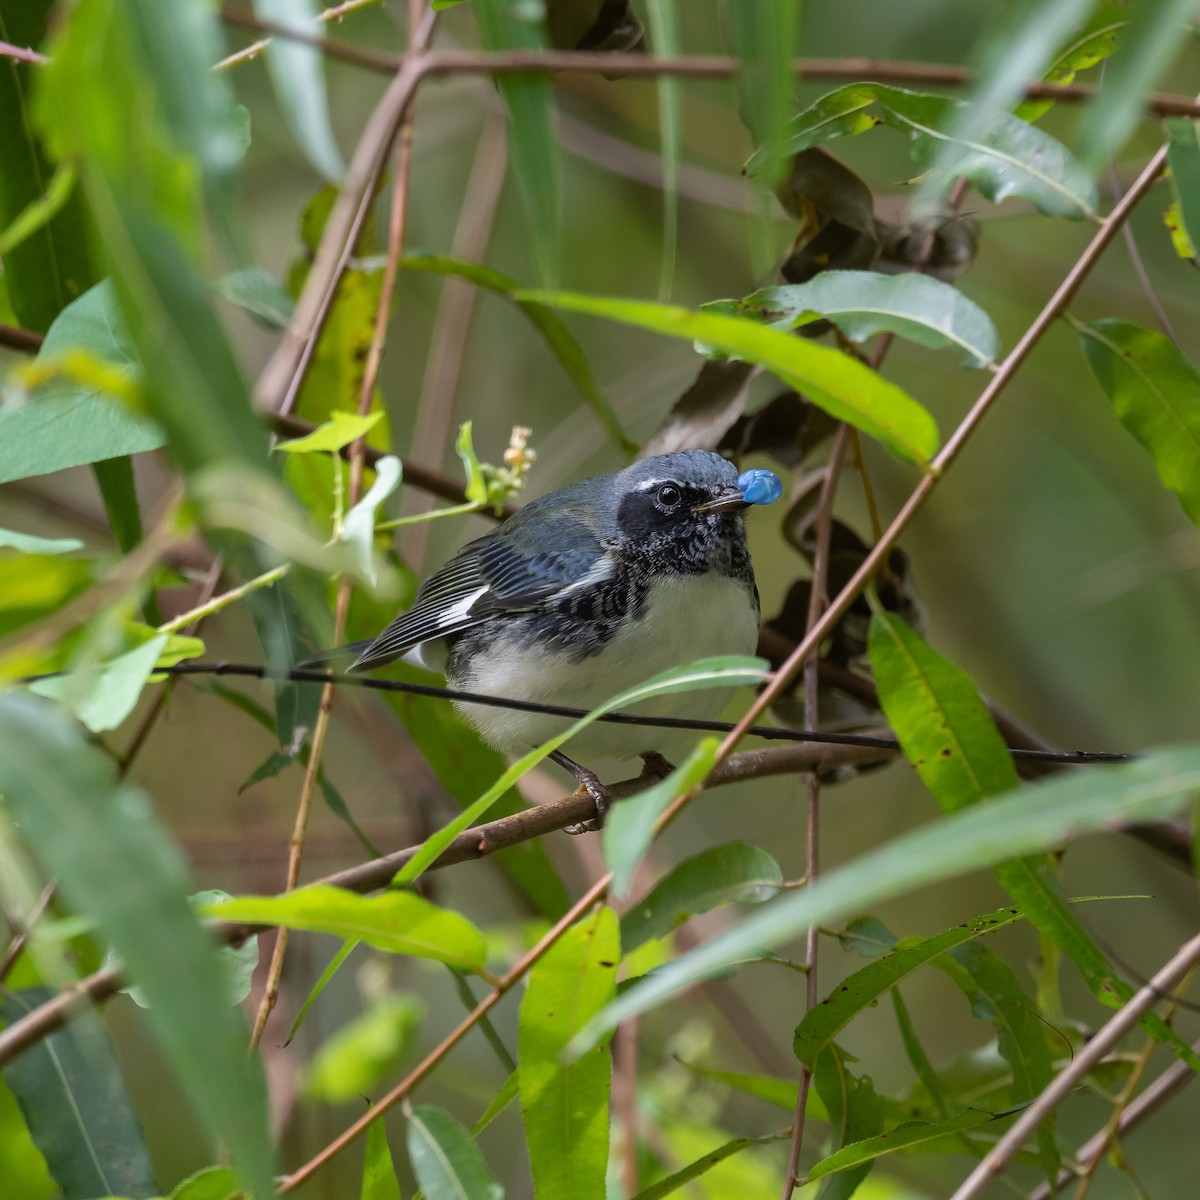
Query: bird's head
x=682, y=509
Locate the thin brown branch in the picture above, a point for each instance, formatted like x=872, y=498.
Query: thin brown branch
x=1168, y=1085
x=247, y=53
x=817, y=600
x=28, y=341
x=25, y=54
x=1086, y=1059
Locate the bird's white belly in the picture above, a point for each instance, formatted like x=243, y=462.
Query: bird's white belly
x=686, y=617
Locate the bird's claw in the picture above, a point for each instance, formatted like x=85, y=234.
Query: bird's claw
x=590, y=785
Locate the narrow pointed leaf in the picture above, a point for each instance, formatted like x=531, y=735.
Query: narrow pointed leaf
x=700, y=1166
x=1091, y=43
x=856, y=1112
x=629, y=828
x=863, y=988
x=299, y=81
x=1153, y=391
x=96, y=835
x=1022, y=822
x=903, y=1137
x=1183, y=157
x=565, y=1104
x=720, y=875
x=379, y=1174
x=446, y=1160
x=839, y=384
x=398, y=922
x=861, y=303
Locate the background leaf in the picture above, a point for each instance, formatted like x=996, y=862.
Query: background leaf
x=1153, y=390
x=1009, y=157
x=446, y=1160
x=97, y=836
x=70, y=1089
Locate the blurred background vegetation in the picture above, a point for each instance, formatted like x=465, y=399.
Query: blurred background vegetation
x=1050, y=564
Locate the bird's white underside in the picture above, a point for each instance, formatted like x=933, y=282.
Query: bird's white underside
x=686, y=617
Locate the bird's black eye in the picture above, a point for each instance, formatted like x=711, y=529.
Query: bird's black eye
x=669, y=496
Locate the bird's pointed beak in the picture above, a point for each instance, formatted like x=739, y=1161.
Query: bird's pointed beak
x=731, y=499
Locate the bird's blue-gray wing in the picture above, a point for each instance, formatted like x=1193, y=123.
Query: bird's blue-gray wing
x=491, y=576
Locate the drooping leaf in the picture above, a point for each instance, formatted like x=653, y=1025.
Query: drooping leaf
x=358, y=529
x=339, y=430
x=54, y=264
x=69, y=423
x=379, y=1175
x=629, y=828
x=1032, y=819
x=445, y=1159
x=994, y=993
x=723, y=670
x=856, y=1112
x=1152, y=38
x=1153, y=391
x=70, y=1089
x=115, y=865
x=720, y=875
x=863, y=987
x=565, y=1104
x=902, y=1137
x=841, y=385
x=299, y=81
x=352, y=1062
x=704, y=1164
x=861, y=303
x=532, y=139
x=664, y=37
x=398, y=922
x=500, y=1101
x=559, y=339
x=114, y=477
x=1008, y=158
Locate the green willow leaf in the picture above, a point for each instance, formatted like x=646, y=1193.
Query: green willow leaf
x=842, y=386
x=398, y=922
x=863, y=987
x=1008, y=158
x=532, y=137
x=54, y=265
x=96, y=834
x=379, y=1174
x=445, y=1159
x=565, y=1104
x=1183, y=157
x=856, y=1112
x=1035, y=818
x=549, y=324
x=903, y=1137
x=629, y=828
x=74, y=1100
x=352, y=1061
x=1153, y=391
x=72, y=422
x=299, y=81
x=705, y=1163
x=720, y=875
x=861, y=303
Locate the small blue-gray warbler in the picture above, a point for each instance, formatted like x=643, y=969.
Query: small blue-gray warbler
x=587, y=591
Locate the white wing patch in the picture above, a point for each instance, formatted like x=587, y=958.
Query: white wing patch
x=460, y=609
